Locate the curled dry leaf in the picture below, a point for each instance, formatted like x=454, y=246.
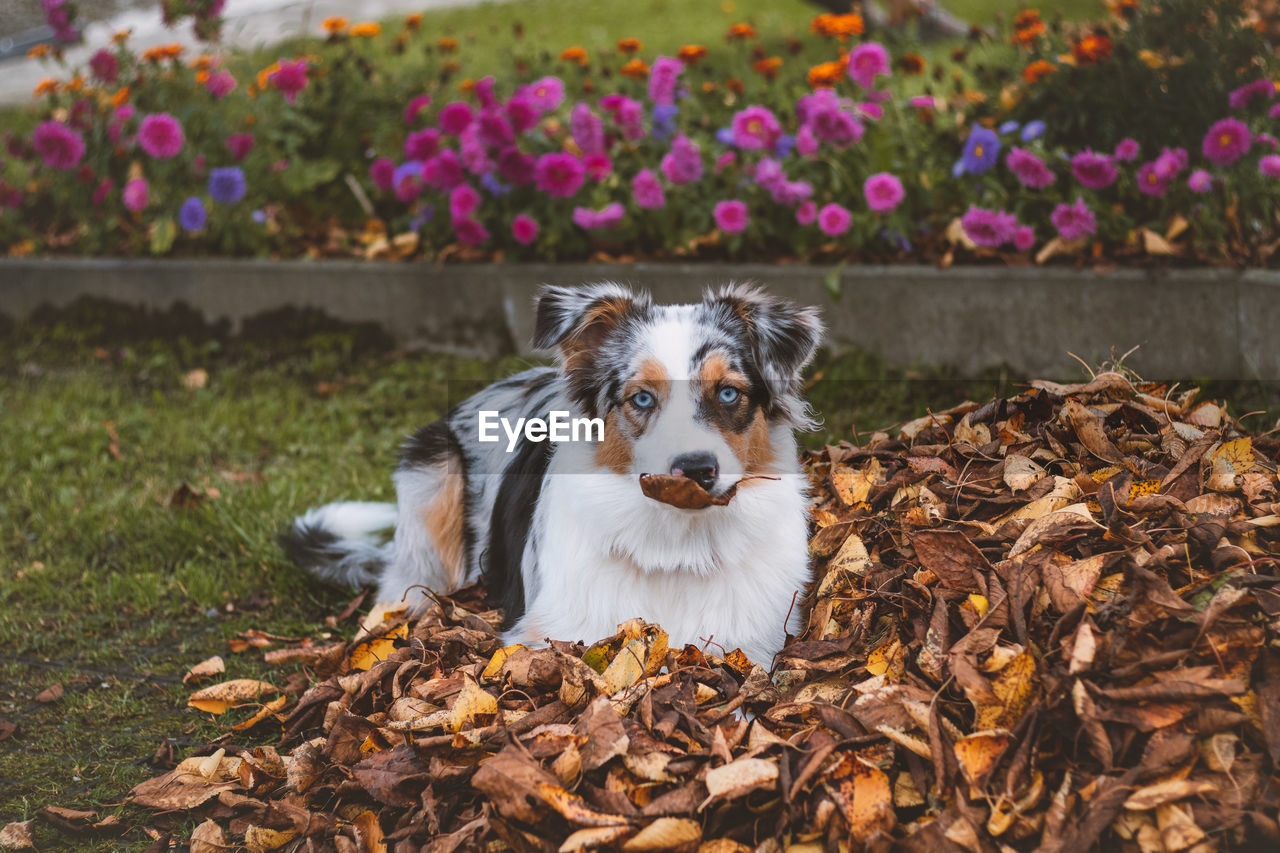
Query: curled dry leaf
x=684, y=493
x=740, y=777
x=205, y=669
x=218, y=698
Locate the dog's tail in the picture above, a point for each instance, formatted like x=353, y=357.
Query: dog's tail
x=337, y=542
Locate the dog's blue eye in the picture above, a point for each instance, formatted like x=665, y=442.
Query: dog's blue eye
x=729, y=396
x=643, y=400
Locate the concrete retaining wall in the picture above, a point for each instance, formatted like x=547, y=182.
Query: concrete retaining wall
x=1212, y=323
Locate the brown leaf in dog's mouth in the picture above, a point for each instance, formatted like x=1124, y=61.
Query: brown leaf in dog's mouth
x=683, y=493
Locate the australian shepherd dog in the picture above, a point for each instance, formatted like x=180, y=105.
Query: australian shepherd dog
x=562, y=533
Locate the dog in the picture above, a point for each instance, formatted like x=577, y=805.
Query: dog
x=562, y=533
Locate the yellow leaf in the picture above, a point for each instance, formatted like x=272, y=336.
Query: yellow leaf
x=1014, y=689
x=978, y=754
x=374, y=651
x=471, y=702
x=498, y=659
x=1228, y=462
x=217, y=698
x=979, y=604
x=265, y=711
x=205, y=669
x=212, y=706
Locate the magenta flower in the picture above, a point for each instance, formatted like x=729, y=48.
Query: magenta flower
x=1095, y=171
x=755, y=128
x=1200, y=181
x=494, y=130
x=837, y=126
x=105, y=186
x=136, y=194
x=683, y=163
x=990, y=229
x=290, y=79
x=1024, y=237
x=474, y=152
x=470, y=232
x=1149, y=180
x=647, y=190
x=455, y=118
x=627, y=114
x=524, y=229
x=597, y=165
x=1029, y=169
x=515, y=166
x=866, y=61
x=1074, y=221
x=834, y=219
x=1274, y=112
x=663, y=77
x=559, y=175
x=1226, y=142
x=883, y=192
x=58, y=145
x=104, y=66
x=806, y=141
x=1170, y=162
x=731, y=216
x=220, y=84
x=1127, y=150
x=416, y=105
x=463, y=201
x=587, y=129
x=239, y=144
x=923, y=102
x=521, y=114
x=724, y=161
x=484, y=92
x=422, y=144
x=807, y=213
x=1240, y=98
x=608, y=216
x=408, y=188
x=160, y=135
x=544, y=95
x=1270, y=165
x=383, y=173
x=443, y=171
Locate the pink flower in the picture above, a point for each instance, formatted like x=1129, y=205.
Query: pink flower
x=524, y=229
x=422, y=144
x=455, y=117
x=470, y=232
x=1240, y=98
x=105, y=186
x=806, y=213
x=220, y=84
x=104, y=66
x=408, y=188
x=1149, y=180
x=990, y=229
x=683, y=163
x=416, y=105
x=806, y=141
x=443, y=171
x=1074, y=221
x=136, y=195
x=1226, y=142
x=922, y=102
x=58, y=145
x=587, y=129
x=160, y=135
x=240, y=144
x=1274, y=112
x=494, y=129
x=834, y=219
x=608, y=216
x=484, y=92
x=598, y=166
x=1270, y=165
x=544, y=95
x=1200, y=181
x=647, y=190
x=558, y=175
x=725, y=160
x=663, y=77
x=1029, y=169
x=755, y=128
x=731, y=216
x=521, y=114
x=883, y=192
x=383, y=173
x=290, y=79
x=1094, y=171
x=463, y=201
x=515, y=166
x=1170, y=162
x=1127, y=150
x=1024, y=237
x=866, y=61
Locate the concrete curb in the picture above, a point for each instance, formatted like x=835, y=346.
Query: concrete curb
x=1210, y=323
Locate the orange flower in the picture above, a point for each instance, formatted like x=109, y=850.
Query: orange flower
x=47, y=86
x=1038, y=70
x=628, y=46
x=691, y=53
x=121, y=97
x=740, y=32
x=911, y=63
x=368, y=29
x=826, y=75
x=708, y=86
x=264, y=76
x=448, y=45
x=203, y=62
x=1027, y=27
x=635, y=69
x=121, y=36
x=733, y=84
x=837, y=26
x=451, y=67
x=413, y=21
x=75, y=84
x=202, y=76
x=1091, y=49
x=768, y=67
x=162, y=52
x=467, y=85
x=575, y=54
x=1122, y=8
x=40, y=51
x=334, y=25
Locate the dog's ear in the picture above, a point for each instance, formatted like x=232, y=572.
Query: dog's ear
x=784, y=335
x=578, y=319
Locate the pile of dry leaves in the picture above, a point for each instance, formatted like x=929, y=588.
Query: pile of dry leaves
x=1043, y=623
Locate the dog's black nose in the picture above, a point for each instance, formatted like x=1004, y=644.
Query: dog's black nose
x=699, y=467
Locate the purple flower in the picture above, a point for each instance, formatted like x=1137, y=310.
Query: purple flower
x=834, y=220
x=1127, y=150
x=1274, y=112
x=544, y=95
x=524, y=229
x=1226, y=142
x=455, y=118
x=664, y=121
x=1095, y=171
x=683, y=163
x=806, y=213
x=1149, y=180
x=1008, y=127
x=1032, y=130
x=469, y=232
x=1024, y=237
x=627, y=114
x=793, y=192
x=598, y=166
x=806, y=141
x=1200, y=181
x=988, y=228
x=227, y=185
x=1270, y=165
x=463, y=201
x=474, y=152
x=443, y=171
x=731, y=216
x=160, y=135
x=1074, y=221
x=1170, y=162
x=136, y=194
x=587, y=129
x=516, y=166
x=755, y=128
x=769, y=174
x=607, y=217
x=1240, y=98
x=784, y=146
x=58, y=145
x=883, y=192
x=866, y=62
x=416, y=105
x=663, y=77
x=647, y=190
x=104, y=66
x=383, y=173
x=290, y=79
x=1029, y=169
x=521, y=114
x=981, y=151
x=494, y=129
x=494, y=186
x=559, y=175
x=836, y=126
x=220, y=84
x=422, y=144
x=192, y=216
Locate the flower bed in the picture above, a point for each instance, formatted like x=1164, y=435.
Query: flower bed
x=866, y=155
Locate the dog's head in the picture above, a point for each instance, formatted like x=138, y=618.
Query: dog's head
x=703, y=390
